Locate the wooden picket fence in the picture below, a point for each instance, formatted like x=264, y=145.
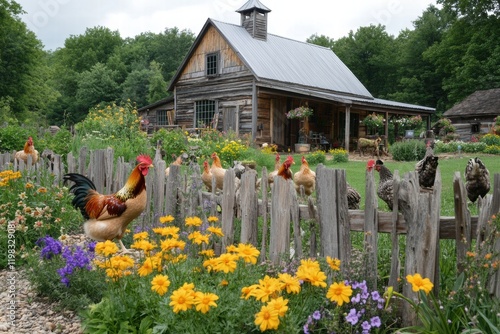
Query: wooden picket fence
x=182, y=195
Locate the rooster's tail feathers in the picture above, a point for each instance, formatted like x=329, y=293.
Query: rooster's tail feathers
x=81, y=188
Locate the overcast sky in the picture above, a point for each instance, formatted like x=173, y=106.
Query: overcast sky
x=55, y=20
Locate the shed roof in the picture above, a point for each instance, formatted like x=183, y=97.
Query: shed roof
x=479, y=103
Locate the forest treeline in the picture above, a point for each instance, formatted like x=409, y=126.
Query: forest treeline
x=452, y=51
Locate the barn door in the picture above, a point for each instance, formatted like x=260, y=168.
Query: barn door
x=278, y=121
x=230, y=119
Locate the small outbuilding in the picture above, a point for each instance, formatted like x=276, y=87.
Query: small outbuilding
x=475, y=114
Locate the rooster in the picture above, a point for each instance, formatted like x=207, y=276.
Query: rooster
x=29, y=149
x=109, y=215
x=305, y=177
x=477, y=179
x=177, y=162
x=385, y=186
x=426, y=168
x=277, y=165
x=284, y=171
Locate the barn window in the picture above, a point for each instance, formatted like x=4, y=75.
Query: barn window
x=205, y=112
x=475, y=128
x=212, y=61
x=161, y=117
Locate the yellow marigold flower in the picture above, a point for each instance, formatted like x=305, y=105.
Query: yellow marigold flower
x=143, y=245
x=247, y=291
x=204, y=301
x=29, y=185
x=224, y=283
x=207, y=252
x=166, y=219
x=290, y=283
x=215, y=231
x=146, y=268
x=141, y=235
x=210, y=264
x=181, y=300
x=267, y=318
x=419, y=283
x=212, y=219
x=193, y=221
x=267, y=288
x=198, y=238
x=231, y=249
x=121, y=262
x=106, y=248
x=317, y=278
x=226, y=263
x=334, y=263
x=42, y=190
x=160, y=284
x=169, y=244
x=279, y=304
x=172, y=231
x=248, y=253
x=339, y=293
x=308, y=264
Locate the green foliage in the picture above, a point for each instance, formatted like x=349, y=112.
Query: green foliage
x=13, y=137
x=492, y=149
x=33, y=210
x=316, y=157
x=112, y=126
x=410, y=150
x=339, y=155
x=59, y=143
x=490, y=139
x=231, y=150
x=173, y=142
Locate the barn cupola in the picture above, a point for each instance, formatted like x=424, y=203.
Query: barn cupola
x=254, y=18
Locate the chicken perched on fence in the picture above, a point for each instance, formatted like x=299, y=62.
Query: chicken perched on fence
x=177, y=162
x=29, y=150
x=353, y=198
x=217, y=171
x=109, y=215
x=284, y=171
x=385, y=185
x=477, y=179
x=305, y=178
x=426, y=168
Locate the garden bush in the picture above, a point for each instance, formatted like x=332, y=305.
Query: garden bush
x=316, y=157
x=173, y=142
x=410, y=150
x=491, y=139
x=339, y=155
x=13, y=137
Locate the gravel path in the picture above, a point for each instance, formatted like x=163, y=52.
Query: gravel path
x=31, y=313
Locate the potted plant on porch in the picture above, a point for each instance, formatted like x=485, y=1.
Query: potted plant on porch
x=302, y=113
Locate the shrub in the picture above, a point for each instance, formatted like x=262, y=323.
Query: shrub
x=13, y=137
x=492, y=149
x=60, y=142
x=490, y=139
x=231, y=150
x=339, y=155
x=316, y=157
x=411, y=150
x=171, y=141
x=471, y=147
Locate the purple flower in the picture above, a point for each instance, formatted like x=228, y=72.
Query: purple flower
x=316, y=315
x=356, y=299
x=352, y=317
x=51, y=247
x=375, y=296
x=365, y=325
x=375, y=322
x=75, y=258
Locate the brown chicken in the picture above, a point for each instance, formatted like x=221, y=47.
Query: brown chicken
x=109, y=215
x=277, y=165
x=206, y=176
x=284, y=171
x=217, y=171
x=305, y=178
x=177, y=162
x=29, y=149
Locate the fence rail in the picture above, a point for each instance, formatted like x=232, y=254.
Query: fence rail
x=182, y=195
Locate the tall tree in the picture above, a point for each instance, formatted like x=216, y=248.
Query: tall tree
x=157, y=85
x=369, y=54
x=472, y=9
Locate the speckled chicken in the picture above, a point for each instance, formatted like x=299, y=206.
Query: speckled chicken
x=477, y=179
x=353, y=198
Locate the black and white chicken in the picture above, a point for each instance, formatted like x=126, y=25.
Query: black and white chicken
x=477, y=179
x=353, y=198
x=426, y=168
x=385, y=185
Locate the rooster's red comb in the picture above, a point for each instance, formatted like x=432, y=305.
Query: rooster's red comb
x=144, y=159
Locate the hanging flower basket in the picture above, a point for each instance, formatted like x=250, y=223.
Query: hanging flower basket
x=373, y=121
x=299, y=112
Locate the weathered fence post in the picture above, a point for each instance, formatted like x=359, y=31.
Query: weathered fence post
x=264, y=209
x=421, y=209
x=171, y=191
x=281, y=201
x=333, y=214
x=82, y=161
x=462, y=220
x=158, y=194
x=249, y=207
x=395, y=263
x=228, y=202
x=297, y=237
x=370, y=229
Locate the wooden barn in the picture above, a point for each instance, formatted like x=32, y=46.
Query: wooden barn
x=475, y=114
x=244, y=79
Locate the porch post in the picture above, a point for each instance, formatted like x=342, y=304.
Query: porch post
x=347, y=126
x=255, y=110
